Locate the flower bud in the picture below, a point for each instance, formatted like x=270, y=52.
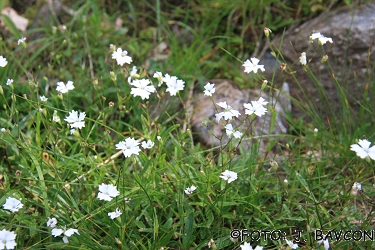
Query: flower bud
x=267, y=31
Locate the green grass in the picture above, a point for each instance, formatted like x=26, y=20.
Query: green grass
x=57, y=174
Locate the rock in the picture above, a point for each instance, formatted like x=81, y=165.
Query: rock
x=204, y=112
x=350, y=59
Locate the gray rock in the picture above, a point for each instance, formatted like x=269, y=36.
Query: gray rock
x=260, y=127
x=350, y=59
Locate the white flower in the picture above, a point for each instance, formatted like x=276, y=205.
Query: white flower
x=211, y=243
x=230, y=131
x=130, y=146
x=316, y=130
x=114, y=214
x=75, y=120
x=127, y=200
x=3, y=61
x=363, y=149
x=291, y=244
x=62, y=88
x=228, y=113
x=158, y=75
x=228, y=176
x=209, y=89
x=302, y=58
x=173, y=84
x=51, y=222
x=256, y=107
x=247, y=246
x=67, y=233
x=107, y=192
x=43, y=98
x=133, y=74
x=9, y=81
x=356, y=187
x=12, y=204
x=253, y=65
x=21, y=40
x=3, y=130
x=121, y=57
x=72, y=131
x=148, y=144
x=143, y=89
x=314, y=36
x=55, y=117
x=325, y=243
x=322, y=39
x=7, y=239
x=190, y=190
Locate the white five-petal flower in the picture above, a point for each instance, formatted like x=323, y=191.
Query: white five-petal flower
x=129, y=147
x=190, y=190
x=115, y=214
x=74, y=120
x=7, y=239
x=62, y=88
x=291, y=244
x=253, y=65
x=133, y=74
x=51, y=222
x=107, y=192
x=228, y=113
x=12, y=204
x=3, y=61
x=21, y=40
x=159, y=76
x=67, y=233
x=230, y=131
x=322, y=39
x=173, y=84
x=209, y=89
x=363, y=149
x=256, y=107
x=143, y=89
x=148, y=144
x=121, y=56
x=43, y=98
x=9, y=81
x=247, y=246
x=325, y=243
x=228, y=176
x=356, y=188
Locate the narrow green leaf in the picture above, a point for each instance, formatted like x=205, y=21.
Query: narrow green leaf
x=12, y=28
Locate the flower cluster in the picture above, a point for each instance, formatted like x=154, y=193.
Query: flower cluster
x=107, y=193
x=65, y=232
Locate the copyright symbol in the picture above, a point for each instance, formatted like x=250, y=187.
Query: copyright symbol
x=235, y=233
